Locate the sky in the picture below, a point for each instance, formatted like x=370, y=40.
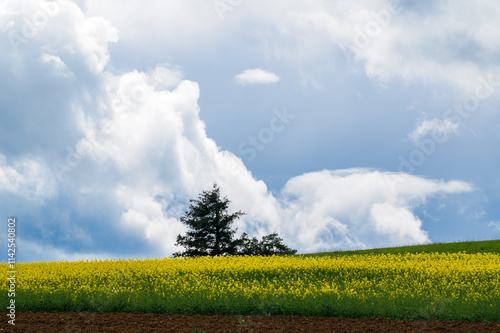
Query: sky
x=337, y=124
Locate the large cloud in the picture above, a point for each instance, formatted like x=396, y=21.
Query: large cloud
x=428, y=42
x=359, y=207
x=52, y=57
x=424, y=42
x=126, y=151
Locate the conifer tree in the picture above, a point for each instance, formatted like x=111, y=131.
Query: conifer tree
x=209, y=225
x=210, y=234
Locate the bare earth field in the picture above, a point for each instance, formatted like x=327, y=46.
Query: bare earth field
x=43, y=322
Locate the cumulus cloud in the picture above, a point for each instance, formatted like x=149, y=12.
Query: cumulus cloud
x=398, y=222
x=359, y=207
x=59, y=29
x=442, y=128
x=45, y=46
x=256, y=76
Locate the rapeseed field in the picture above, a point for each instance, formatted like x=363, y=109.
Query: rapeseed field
x=445, y=286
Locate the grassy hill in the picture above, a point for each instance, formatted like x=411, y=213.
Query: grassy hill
x=488, y=246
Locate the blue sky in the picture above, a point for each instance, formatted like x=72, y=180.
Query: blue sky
x=339, y=124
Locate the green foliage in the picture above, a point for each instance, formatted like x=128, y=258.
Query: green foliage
x=268, y=246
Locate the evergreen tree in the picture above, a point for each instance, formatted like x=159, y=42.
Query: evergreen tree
x=210, y=234
x=209, y=225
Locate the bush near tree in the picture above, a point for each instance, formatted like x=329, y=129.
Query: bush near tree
x=210, y=233
x=270, y=245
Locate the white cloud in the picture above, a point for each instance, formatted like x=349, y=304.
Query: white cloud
x=199, y=22
x=166, y=77
x=49, y=252
x=59, y=29
x=359, y=207
x=94, y=35
x=399, y=223
x=256, y=76
x=50, y=49
x=495, y=225
x=57, y=64
x=29, y=178
x=438, y=127
x=391, y=43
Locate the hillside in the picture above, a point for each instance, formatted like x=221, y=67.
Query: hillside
x=488, y=246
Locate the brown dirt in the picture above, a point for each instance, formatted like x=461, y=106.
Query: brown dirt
x=80, y=322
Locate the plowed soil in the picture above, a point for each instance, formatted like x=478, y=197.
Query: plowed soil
x=76, y=322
